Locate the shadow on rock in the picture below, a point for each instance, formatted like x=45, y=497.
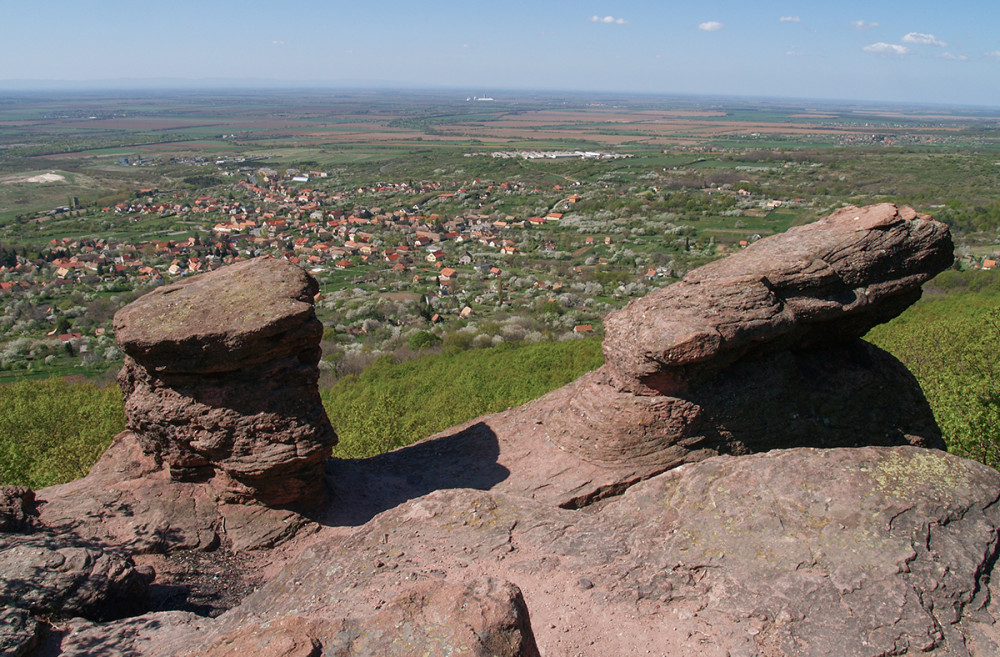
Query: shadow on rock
x=362, y=488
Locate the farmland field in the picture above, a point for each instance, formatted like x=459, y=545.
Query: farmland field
x=114, y=185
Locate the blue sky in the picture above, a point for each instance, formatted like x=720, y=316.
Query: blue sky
x=880, y=50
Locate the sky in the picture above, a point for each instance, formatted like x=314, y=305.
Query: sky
x=910, y=51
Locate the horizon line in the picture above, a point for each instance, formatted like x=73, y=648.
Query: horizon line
x=208, y=85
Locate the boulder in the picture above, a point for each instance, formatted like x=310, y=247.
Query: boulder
x=58, y=575
x=762, y=350
x=220, y=379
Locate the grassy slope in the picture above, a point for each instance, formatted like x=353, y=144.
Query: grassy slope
x=952, y=345
x=53, y=430
x=392, y=404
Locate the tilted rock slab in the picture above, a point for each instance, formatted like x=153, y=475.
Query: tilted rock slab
x=761, y=350
x=826, y=282
x=220, y=377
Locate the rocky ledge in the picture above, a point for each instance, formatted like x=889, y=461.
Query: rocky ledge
x=743, y=477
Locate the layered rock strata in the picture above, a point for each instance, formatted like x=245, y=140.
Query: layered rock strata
x=823, y=283
x=220, y=377
x=761, y=350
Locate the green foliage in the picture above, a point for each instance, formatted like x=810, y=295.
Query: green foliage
x=952, y=346
x=458, y=341
x=392, y=404
x=422, y=340
x=52, y=431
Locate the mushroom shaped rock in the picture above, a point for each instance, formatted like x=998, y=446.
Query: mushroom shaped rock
x=220, y=378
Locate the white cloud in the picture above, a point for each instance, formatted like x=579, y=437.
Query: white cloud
x=863, y=25
x=793, y=53
x=710, y=26
x=993, y=53
x=608, y=19
x=278, y=43
x=790, y=19
x=954, y=57
x=887, y=48
x=923, y=39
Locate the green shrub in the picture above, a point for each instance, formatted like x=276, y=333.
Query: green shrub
x=52, y=431
x=422, y=340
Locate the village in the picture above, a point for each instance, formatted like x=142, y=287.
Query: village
x=401, y=265
x=393, y=260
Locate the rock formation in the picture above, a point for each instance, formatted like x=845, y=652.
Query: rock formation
x=46, y=572
x=624, y=514
x=827, y=282
x=868, y=551
x=761, y=349
x=223, y=406
x=221, y=378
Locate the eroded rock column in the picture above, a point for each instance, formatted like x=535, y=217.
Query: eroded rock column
x=220, y=379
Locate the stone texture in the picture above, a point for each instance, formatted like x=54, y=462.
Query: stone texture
x=866, y=552
x=162, y=633
x=17, y=508
x=19, y=632
x=846, y=395
x=221, y=377
x=828, y=281
x=60, y=575
x=482, y=619
x=130, y=501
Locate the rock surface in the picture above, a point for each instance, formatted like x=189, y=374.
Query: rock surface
x=487, y=618
x=61, y=575
x=824, y=282
x=17, y=508
x=19, y=632
x=776, y=326
x=624, y=514
x=868, y=551
x=221, y=378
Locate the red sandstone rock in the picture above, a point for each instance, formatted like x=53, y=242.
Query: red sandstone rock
x=562, y=509
x=17, y=508
x=791, y=552
x=221, y=376
x=482, y=619
x=828, y=281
